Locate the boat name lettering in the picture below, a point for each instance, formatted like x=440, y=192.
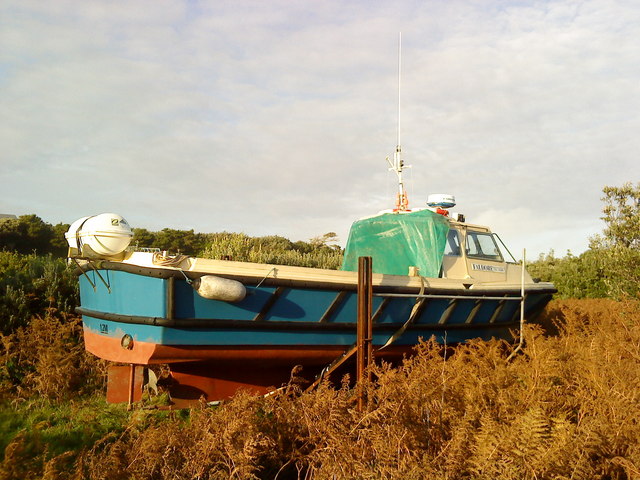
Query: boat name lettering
x=487, y=268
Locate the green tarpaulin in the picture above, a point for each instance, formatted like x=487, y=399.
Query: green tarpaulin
x=397, y=241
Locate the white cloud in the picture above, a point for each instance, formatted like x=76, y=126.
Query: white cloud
x=275, y=118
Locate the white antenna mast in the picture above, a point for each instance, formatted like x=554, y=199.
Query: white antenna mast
x=402, y=201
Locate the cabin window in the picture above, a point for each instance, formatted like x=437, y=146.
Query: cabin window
x=452, y=247
x=482, y=245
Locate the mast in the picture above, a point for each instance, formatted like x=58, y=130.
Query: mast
x=402, y=201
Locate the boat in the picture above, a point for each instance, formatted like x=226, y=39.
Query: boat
x=223, y=325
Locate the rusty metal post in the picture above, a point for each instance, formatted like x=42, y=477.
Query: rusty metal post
x=365, y=325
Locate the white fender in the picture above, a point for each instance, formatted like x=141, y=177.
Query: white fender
x=217, y=288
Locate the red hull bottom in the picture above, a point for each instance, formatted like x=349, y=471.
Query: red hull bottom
x=216, y=373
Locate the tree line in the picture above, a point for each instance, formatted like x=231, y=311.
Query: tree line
x=610, y=267
x=29, y=234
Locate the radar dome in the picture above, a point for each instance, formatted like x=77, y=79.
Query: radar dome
x=442, y=200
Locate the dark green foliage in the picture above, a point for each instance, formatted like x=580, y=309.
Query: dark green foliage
x=596, y=273
x=619, y=245
x=34, y=285
x=29, y=233
x=583, y=276
x=186, y=242
x=143, y=238
x=58, y=244
x=624, y=265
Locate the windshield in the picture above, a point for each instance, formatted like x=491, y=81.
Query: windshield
x=482, y=245
x=452, y=247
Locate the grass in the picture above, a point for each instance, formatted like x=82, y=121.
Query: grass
x=63, y=426
x=40, y=432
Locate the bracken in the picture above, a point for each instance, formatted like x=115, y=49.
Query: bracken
x=566, y=407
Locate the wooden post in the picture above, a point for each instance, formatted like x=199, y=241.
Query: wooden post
x=365, y=326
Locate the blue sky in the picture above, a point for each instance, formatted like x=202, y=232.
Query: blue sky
x=276, y=117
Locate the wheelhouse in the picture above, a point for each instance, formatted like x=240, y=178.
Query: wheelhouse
x=474, y=252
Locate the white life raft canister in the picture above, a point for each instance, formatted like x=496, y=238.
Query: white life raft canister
x=105, y=234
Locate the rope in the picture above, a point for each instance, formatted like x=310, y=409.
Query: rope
x=159, y=259
x=265, y=277
x=175, y=261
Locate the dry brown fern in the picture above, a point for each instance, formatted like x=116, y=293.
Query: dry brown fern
x=566, y=407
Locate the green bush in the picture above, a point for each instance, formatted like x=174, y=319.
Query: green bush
x=273, y=250
x=40, y=438
x=583, y=276
x=612, y=272
x=623, y=264
x=34, y=285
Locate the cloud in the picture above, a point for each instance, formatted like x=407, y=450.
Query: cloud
x=276, y=118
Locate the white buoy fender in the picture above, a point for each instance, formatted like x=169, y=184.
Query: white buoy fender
x=216, y=288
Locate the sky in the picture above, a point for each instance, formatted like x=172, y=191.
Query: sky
x=276, y=117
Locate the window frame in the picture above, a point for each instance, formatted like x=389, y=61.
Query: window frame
x=472, y=235
x=458, y=238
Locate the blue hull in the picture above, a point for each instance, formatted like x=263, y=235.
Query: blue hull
x=140, y=306
x=141, y=316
